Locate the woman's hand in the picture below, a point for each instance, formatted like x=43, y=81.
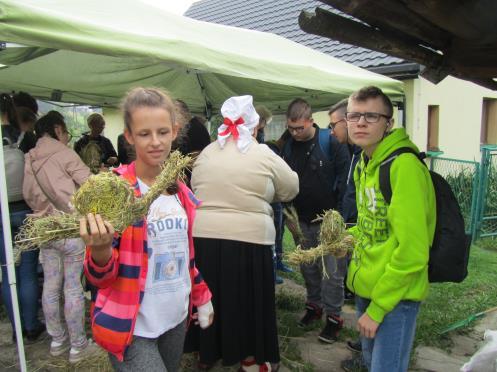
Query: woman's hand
x=205, y=315
x=97, y=234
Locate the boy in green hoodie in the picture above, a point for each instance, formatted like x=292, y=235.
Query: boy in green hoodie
x=389, y=268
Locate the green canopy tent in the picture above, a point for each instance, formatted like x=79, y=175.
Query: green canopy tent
x=92, y=52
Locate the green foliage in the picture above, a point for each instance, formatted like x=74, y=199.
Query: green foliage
x=448, y=303
x=289, y=246
x=490, y=243
x=289, y=305
x=462, y=186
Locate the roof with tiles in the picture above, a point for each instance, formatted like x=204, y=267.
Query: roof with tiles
x=281, y=17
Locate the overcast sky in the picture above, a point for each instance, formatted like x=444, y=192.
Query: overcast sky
x=173, y=6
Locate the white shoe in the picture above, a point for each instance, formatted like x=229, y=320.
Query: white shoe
x=76, y=355
x=59, y=348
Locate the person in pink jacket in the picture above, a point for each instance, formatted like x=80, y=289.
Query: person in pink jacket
x=52, y=172
x=146, y=279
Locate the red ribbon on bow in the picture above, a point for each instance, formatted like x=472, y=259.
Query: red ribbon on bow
x=232, y=127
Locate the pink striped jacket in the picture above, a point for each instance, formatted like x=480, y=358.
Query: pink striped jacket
x=120, y=284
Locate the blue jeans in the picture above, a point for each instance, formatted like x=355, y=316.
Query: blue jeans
x=27, y=279
x=391, y=348
x=280, y=229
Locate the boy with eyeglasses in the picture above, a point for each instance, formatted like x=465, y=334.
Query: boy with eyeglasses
x=322, y=164
x=389, y=268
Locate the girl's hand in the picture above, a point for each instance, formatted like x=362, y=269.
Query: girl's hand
x=97, y=234
x=205, y=315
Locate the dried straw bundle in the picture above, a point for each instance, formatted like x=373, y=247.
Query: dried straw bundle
x=106, y=194
x=333, y=238
x=292, y=223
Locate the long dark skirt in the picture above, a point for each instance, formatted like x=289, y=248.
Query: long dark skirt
x=241, y=278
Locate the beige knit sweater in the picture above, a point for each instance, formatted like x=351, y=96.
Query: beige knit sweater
x=236, y=191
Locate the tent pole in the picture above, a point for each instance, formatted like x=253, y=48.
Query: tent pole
x=9, y=258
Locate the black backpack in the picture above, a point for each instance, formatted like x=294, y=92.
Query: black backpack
x=449, y=253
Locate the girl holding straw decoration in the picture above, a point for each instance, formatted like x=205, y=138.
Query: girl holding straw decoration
x=146, y=280
x=52, y=173
x=237, y=179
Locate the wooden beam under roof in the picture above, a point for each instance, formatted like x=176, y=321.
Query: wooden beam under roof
x=333, y=26
x=391, y=16
x=474, y=20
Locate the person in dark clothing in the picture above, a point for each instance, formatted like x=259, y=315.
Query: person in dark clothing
x=96, y=123
x=196, y=136
x=23, y=99
x=192, y=137
x=27, y=120
x=322, y=164
x=125, y=150
x=338, y=127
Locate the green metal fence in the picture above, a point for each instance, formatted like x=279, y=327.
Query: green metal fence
x=486, y=204
x=463, y=176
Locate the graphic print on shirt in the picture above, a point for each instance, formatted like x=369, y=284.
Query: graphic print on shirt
x=373, y=219
x=166, y=230
x=168, y=285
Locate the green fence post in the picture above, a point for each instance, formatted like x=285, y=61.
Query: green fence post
x=474, y=201
x=482, y=190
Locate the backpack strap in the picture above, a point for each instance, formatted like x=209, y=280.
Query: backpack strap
x=385, y=186
x=325, y=143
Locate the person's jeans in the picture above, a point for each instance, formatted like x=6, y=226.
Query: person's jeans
x=280, y=229
x=322, y=291
x=62, y=263
x=26, y=277
x=390, y=350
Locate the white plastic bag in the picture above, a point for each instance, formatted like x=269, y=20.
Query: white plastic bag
x=485, y=359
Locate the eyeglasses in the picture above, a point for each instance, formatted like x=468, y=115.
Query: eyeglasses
x=332, y=124
x=296, y=130
x=370, y=117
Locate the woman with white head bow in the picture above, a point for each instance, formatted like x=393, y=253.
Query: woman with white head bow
x=236, y=178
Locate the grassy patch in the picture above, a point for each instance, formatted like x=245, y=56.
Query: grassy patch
x=289, y=246
x=288, y=307
x=490, y=244
x=448, y=303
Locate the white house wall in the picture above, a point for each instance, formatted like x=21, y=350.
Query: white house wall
x=460, y=114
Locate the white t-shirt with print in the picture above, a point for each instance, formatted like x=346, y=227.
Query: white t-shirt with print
x=168, y=285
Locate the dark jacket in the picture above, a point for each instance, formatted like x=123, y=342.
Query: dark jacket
x=125, y=151
x=104, y=143
x=322, y=174
x=349, y=206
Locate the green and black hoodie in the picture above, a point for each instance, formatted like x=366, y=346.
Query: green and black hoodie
x=390, y=259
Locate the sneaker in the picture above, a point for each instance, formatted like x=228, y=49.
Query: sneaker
x=59, y=348
x=330, y=331
x=280, y=265
x=355, y=346
x=77, y=355
x=354, y=365
x=278, y=280
x=312, y=314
